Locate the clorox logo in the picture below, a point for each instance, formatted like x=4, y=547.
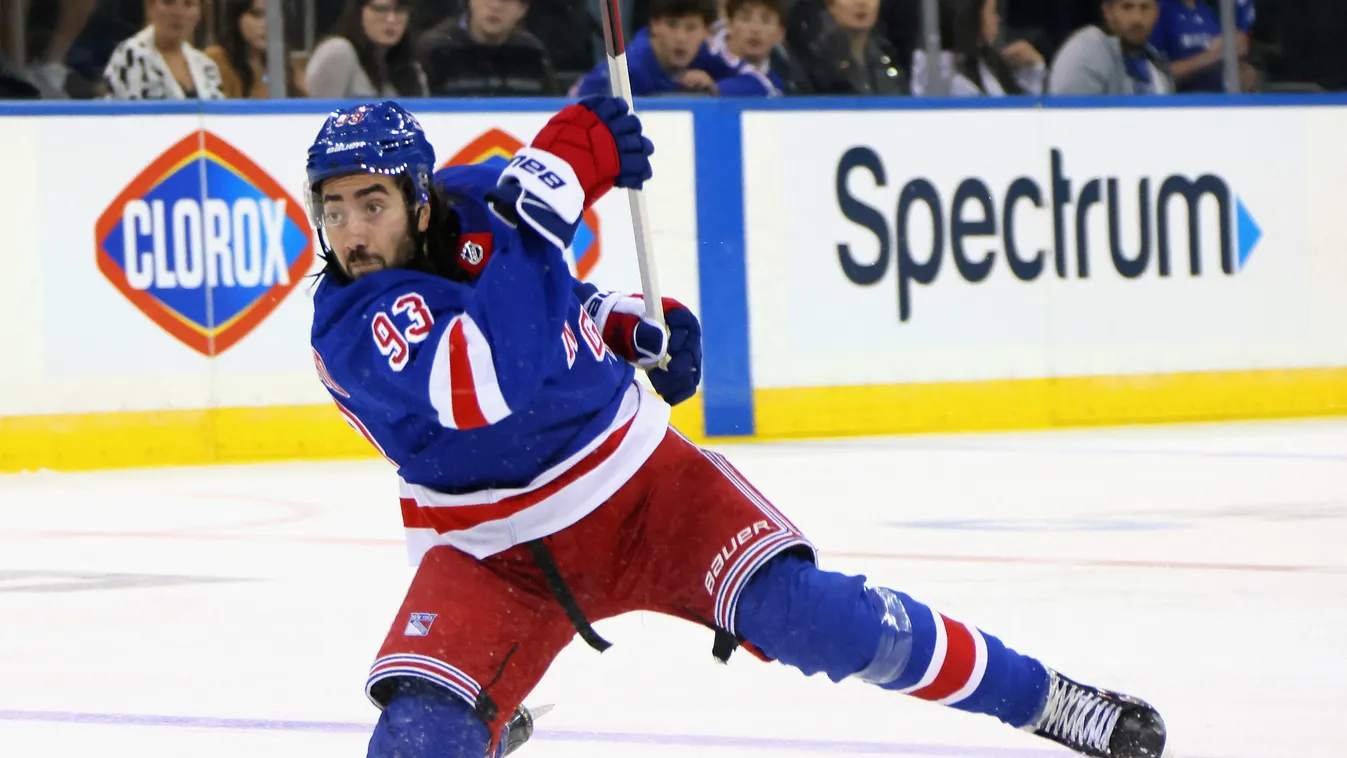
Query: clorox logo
x=496, y=148
x=205, y=243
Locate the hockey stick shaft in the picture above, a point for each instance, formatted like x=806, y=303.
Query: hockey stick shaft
x=619, y=83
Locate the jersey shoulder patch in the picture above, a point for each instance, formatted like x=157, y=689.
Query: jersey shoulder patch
x=466, y=187
x=474, y=251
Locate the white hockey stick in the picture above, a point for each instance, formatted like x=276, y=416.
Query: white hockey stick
x=619, y=84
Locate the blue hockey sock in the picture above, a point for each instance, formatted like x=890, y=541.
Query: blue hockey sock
x=820, y=621
x=424, y=720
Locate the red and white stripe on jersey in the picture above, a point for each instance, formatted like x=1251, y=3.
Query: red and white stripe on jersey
x=359, y=426
x=463, y=385
x=592, y=336
x=957, y=664
x=570, y=344
x=486, y=522
x=757, y=550
x=422, y=667
x=325, y=377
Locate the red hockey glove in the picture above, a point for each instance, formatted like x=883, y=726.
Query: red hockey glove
x=584, y=151
x=602, y=142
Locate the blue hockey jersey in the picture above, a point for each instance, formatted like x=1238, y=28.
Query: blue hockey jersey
x=506, y=415
x=1182, y=33
x=738, y=78
x=733, y=77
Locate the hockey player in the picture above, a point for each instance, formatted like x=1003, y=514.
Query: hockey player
x=542, y=487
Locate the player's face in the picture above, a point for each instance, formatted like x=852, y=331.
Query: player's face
x=1132, y=20
x=365, y=220
x=676, y=40
x=753, y=32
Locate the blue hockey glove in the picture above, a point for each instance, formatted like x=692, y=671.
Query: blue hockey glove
x=678, y=381
x=626, y=331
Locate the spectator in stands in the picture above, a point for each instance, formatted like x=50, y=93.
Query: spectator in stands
x=1189, y=33
x=241, y=55
x=369, y=54
x=158, y=63
x=1118, y=61
x=835, y=50
x=970, y=65
x=486, y=52
x=660, y=56
x=744, y=42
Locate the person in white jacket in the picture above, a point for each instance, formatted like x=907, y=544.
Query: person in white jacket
x=159, y=62
x=970, y=65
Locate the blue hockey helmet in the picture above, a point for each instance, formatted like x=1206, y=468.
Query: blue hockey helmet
x=377, y=138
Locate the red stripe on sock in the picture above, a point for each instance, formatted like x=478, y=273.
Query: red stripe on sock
x=960, y=657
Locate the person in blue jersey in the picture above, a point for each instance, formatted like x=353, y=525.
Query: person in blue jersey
x=671, y=57
x=660, y=56
x=743, y=47
x=542, y=486
x=1189, y=32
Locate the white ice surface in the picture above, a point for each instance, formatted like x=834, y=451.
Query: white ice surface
x=1203, y=568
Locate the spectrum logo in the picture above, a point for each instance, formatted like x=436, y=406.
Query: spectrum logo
x=206, y=266
x=975, y=229
x=496, y=148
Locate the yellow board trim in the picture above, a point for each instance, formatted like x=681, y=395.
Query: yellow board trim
x=77, y=442
x=1023, y=404
x=90, y=441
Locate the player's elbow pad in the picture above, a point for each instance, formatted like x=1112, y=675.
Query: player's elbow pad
x=543, y=192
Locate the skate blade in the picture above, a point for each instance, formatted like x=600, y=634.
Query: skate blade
x=538, y=711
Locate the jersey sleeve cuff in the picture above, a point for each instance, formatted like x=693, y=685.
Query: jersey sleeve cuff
x=550, y=179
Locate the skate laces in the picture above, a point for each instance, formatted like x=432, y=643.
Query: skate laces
x=1079, y=716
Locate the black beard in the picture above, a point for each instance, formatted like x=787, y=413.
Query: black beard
x=405, y=258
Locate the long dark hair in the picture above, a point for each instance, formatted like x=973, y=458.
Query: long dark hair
x=961, y=34
x=236, y=47
x=399, y=67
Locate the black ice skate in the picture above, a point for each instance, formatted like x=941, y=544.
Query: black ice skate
x=1099, y=723
x=519, y=730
